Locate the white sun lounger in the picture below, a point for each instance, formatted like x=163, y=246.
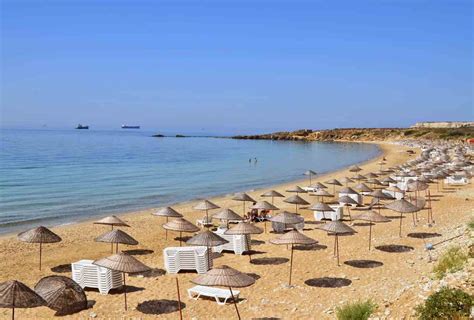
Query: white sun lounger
x=186, y=258
x=456, y=180
x=221, y=295
x=89, y=275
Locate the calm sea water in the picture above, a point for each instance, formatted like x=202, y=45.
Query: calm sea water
x=51, y=177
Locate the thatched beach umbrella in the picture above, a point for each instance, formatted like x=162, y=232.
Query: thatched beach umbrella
x=318, y=185
x=380, y=195
x=181, y=225
x=39, y=235
x=388, y=180
x=293, y=237
x=14, y=294
x=355, y=168
x=272, y=194
x=362, y=187
x=310, y=173
x=334, y=183
x=112, y=221
x=244, y=228
x=347, y=201
x=207, y=239
x=224, y=276
x=167, y=212
x=117, y=236
x=241, y=196
x=374, y=182
x=264, y=205
x=402, y=206
x=62, y=294
x=321, y=193
x=297, y=190
x=359, y=177
x=346, y=181
x=296, y=200
x=371, y=216
x=206, y=205
x=123, y=263
x=321, y=207
x=337, y=228
x=226, y=215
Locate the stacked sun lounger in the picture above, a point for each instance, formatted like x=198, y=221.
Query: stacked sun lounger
x=237, y=243
x=456, y=180
x=281, y=227
x=89, y=275
x=331, y=215
x=187, y=258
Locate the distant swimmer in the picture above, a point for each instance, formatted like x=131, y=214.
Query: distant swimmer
x=255, y=160
x=250, y=160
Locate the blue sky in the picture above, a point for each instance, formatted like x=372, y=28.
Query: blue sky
x=235, y=66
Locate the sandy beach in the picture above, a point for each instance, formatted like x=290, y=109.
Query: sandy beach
x=391, y=280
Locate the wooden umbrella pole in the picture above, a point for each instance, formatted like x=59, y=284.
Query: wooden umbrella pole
x=13, y=304
x=116, y=247
x=180, y=238
x=207, y=220
x=291, y=264
x=111, y=247
x=248, y=246
x=41, y=244
x=125, y=290
x=334, y=251
x=400, y=231
x=337, y=247
x=235, y=303
x=166, y=230
x=243, y=213
x=370, y=233
x=179, y=300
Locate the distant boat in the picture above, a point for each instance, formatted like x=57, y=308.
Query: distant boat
x=80, y=126
x=124, y=126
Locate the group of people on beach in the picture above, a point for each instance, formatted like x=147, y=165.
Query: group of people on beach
x=254, y=216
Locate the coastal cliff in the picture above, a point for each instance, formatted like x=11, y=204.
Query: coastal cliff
x=368, y=134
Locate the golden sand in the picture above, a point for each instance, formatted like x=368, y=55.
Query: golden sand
x=388, y=282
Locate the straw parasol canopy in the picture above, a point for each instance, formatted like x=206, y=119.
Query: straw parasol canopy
x=272, y=194
x=379, y=194
x=371, y=216
x=39, y=235
x=241, y=196
x=355, y=168
x=14, y=294
x=334, y=183
x=394, y=189
x=318, y=185
x=346, y=180
x=264, y=205
x=181, y=225
x=347, y=190
x=321, y=206
x=62, y=294
x=310, y=173
x=388, y=180
x=359, y=177
x=371, y=175
x=347, y=200
x=207, y=239
x=123, y=263
x=321, y=193
x=296, y=189
x=337, y=228
x=292, y=237
x=362, y=187
x=117, y=236
x=224, y=276
x=206, y=205
x=417, y=186
x=402, y=206
x=167, y=212
x=226, y=215
x=244, y=228
x=287, y=218
x=296, y=200
x=112, y=221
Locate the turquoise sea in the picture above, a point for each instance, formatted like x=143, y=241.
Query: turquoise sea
x=52, y=177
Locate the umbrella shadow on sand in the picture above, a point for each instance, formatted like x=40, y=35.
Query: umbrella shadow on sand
x=129, y=288
x=328, y=282
x=162, y=306
x=424, y=235
x=364, y=264
x=269, y=261
x=62, y=268
x=310, y=247
x=138, y=252
x=152, y=273
x=394, y=248
x=257, y=242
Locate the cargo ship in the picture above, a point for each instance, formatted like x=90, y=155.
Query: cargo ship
x=80, y=126
x=124, y=126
